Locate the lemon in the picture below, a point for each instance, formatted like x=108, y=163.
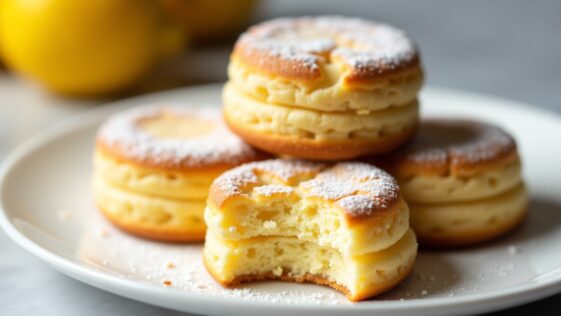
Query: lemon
x=84, y=47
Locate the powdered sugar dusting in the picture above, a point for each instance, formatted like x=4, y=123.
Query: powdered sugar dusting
x=371, y=188
x=272, y=189
x=360, y=204
x=491, y=143
x=302, y=52
x=235, y=181
x=433, y=155
x=458, y=142
x=363, y=45
x=240, y=180
x=220, y=146
x=441, y=274
x=287, y=170
x=358, y=188
x=378, y=47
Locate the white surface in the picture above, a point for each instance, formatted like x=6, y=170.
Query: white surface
x=59, y=225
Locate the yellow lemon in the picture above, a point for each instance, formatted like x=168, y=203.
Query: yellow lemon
x=84, y=47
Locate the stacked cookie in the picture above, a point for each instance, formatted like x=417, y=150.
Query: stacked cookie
x=153, y=167
x=323, y=87
x=343, y=225
x=462, y=180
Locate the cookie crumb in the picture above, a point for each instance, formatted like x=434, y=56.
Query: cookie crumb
x=167, y=283
x=200, y=286
x=278, y=271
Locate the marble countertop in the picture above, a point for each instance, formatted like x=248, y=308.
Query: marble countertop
x=510, y=49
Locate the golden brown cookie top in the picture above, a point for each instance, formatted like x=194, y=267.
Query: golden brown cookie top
x=295, y=47
x=451, y=147
x=358, y=189
x=180, y=138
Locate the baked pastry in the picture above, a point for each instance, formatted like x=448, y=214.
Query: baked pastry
x=462, y=180
x=342, y=225
x=323, y=88
x=154, y=166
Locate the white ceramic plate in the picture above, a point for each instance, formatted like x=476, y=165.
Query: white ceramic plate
x=47, y=209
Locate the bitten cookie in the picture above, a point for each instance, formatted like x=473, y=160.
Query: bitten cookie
x=342, y=225
x=323, y=88
x=153, y=167
x=462, y=181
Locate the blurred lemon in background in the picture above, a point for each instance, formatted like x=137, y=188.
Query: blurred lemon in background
x=85, y=47
x=208, y=20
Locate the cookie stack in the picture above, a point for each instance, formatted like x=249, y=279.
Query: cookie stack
x=320, y=88
x=323, y=88
x=153, y=167
x=462, y=180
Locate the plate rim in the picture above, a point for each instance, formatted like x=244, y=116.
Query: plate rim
x=493, y=300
